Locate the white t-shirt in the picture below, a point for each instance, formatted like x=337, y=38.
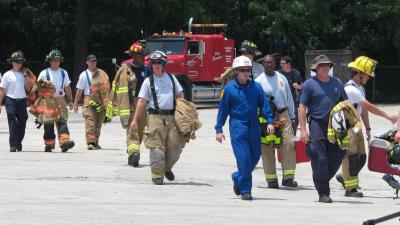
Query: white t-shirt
x=83, y=84
x=356, y=93
x=56, y=79
x=278, y=86
x=14, y=82
x=163, y=86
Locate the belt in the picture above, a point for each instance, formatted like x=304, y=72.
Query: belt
x=280, y=111
x=161, y=111
x=16, y=99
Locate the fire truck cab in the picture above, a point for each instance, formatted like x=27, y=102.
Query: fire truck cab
x=197, y=60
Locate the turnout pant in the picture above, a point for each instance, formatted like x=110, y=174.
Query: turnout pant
x=325, y=157
x=165, y=143
x=287, y=152
x=134, y=137
x=17, y=117
x=353, y=161
x=93, y=122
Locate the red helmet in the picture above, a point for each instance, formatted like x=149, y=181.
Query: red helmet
x=136, y=48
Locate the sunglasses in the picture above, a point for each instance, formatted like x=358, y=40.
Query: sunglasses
x=157, y=62
x=244, y=70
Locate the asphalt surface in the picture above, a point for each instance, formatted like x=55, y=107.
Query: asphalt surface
x=98, y=187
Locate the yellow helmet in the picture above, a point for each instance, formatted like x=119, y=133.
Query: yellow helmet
x=364, y=64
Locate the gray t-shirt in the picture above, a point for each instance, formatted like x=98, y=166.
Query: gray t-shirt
x=164, y=89
x=257, y=69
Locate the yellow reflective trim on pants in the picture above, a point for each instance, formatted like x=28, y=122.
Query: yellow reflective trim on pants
x=350, y=183
x=133, y=147
x=271, y=176
x=124, y=112
x=156, y=175
x=331, y=132
x=288, y=172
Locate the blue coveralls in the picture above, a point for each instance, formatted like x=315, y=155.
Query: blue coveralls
x=241, y=103
x=320, y=97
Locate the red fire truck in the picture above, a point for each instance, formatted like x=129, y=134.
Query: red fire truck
x=197, y=60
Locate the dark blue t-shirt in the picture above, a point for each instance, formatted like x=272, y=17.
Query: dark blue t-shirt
x=320, y=97
x=293, y=77
x=141, y=72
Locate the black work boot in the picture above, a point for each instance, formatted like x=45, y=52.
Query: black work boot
x=324, y=198
x=169, y=175
x=13, y=149
x=273, y=184
x=289, y=183
x=133, y=159
x=247, y=196
x=340, y=179
x=48, y=148
x=67, y=145
x=354, y=193
x=236, y=188
x=97, y=146
x=157, y=181
x=19, y=148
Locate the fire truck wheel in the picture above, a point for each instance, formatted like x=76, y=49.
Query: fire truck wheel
x=186, y=86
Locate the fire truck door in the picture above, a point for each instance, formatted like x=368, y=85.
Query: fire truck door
x=195, y=57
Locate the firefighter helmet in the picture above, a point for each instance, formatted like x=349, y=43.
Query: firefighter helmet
x=17, y=56
x=54, y=54
x=339, y=122
x=241, y=61
x=249, y=47
x=158, y=56
x=136, y=48
x=364, y=64
x=393, y=155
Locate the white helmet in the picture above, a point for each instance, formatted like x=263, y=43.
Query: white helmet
x=339, y=122
x=241, y=61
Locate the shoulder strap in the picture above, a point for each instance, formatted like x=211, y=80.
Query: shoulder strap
x=173, y=89
x=47, y=74
x=87, y=79
x=153, y=92
x=63, y=77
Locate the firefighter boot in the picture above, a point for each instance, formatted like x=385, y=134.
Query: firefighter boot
x=324, y=198
x=236, y=188
x=91, y=146
x=133, y=159
x=169, y=175
x=247, y=196
x=13, y=149
x=273, y=184
x=289, y=183
x=158, y=181
x=97, y=146
x=354, y=193
x=48, y=148
x=67, y=145
x=339, y=178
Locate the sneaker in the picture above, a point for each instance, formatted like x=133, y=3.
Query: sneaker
x=91, y=146
x=340, y=179
x=157, y=181
x=247, y=196
x=12, y=149
x=325, y=198
x=169, y=175
x=236, y=188
x=67, y=145
x=354, y=193
x=48, y=148
x=273, y=184
x=133, y=159
x=289, y=183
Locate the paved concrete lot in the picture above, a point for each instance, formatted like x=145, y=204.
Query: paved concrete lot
x=98, y=187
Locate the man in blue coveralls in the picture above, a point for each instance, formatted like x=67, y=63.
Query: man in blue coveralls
x=241, y=100
x=320, y=94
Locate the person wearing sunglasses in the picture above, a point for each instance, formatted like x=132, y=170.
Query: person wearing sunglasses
x=242, y=99
x=354, y=160
x=13, y=88
x=276, y=87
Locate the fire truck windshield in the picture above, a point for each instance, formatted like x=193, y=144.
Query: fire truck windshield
x=168, y=47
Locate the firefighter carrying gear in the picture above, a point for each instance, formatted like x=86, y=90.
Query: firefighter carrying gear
x=364, y=64
x=351, y=121
x=94, y=106
x=44, y=108
x=187, y=119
